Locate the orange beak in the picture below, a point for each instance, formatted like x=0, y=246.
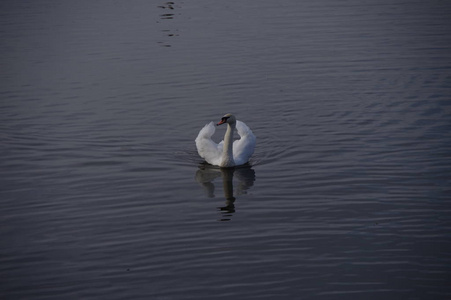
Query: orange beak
x=221, y=122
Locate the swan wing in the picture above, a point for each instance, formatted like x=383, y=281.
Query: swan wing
x=206, y=147
x=244, y=147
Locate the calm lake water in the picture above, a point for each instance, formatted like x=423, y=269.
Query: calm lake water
x=103, y=195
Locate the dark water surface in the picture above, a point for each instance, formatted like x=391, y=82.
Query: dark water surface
x=103, y=195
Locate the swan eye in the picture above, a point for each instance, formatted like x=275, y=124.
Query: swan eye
x=224, y=119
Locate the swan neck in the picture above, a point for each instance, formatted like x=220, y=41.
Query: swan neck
x=227, y=159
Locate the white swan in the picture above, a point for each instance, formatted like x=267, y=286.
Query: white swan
x=227, y=153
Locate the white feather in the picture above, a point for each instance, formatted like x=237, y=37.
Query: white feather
x=213, y=152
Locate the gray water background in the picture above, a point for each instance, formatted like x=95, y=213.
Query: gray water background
x=103, y=195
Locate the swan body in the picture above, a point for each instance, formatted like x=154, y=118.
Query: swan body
x=227, y=153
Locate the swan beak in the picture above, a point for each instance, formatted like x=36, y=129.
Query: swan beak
x=221, y=122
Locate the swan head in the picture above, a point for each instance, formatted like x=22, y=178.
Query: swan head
x=227, y=118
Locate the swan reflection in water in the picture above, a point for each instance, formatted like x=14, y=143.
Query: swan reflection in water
x=244, y=178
